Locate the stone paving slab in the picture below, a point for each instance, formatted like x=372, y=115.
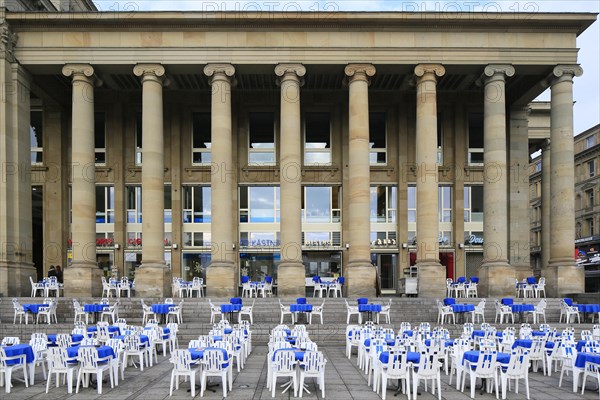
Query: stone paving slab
x=344, y=381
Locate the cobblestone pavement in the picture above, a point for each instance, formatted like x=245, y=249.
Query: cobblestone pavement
x=343, y=381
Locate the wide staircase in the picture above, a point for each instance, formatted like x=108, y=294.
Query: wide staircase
x=196, y=316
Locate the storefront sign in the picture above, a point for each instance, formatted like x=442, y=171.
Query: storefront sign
x=260, y=243
x=474, y=240
x=319, y=243
x=384, y=242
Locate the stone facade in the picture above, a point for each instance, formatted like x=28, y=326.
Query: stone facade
x=353, y=133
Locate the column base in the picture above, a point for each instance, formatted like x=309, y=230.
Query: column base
x=522, y=271
x=153, y=280
x=563, y=277
x=431, y=279
x=221, y=279
x=496, y=279
x=361, y=279
x=14, y=279
x=83, y=279
x=291, y=280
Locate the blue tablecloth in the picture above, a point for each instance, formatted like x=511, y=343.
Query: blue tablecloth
x=75, y=338
x=411, y=356
x=162, y=308
x=582, y=358
x=522, y=307
x=362, y=300
x=507, y=301
x=448, y=301
x=569, y=301
x=18, y=350
x=301, y=300
x=473, y=357
x=538, y=333
x=88, y=308
x=103, y=351
x=523, y=343
x=236, y=300
x=143, y=338
x=298, y=354
x=228, y=308
x=33, y=308
x=461, y=308
x=198, y=354
x=301, y=307
x=587, y=308
x=111, y=329
x=480, y=333
x=581, y=344
x=369, y=308
x=531, y=280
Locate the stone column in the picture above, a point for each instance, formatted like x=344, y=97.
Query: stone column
x=16, y=264
x=290, y=275
x=83, y=277
x=562, y=274
x=520, y=227
x=432, y=275
x=360, y=271
x=221, y=274
x=153, y=278
x=546, y=227
x=497, y=276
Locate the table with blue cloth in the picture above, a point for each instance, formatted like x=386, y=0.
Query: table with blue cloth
x=531, y=280
x=473, y=356
x=94, y=309
x=75, y=338
x=103, y=351
x=587, y=309
x=235, y=300
x=362, y=300
x=114, y=330
x=462, y=309
x=579, y=367
x=448, y=301
x=369, y=309
x=523, y=343
x=162, y=310
x=301, y=309
x=522, y=308
x=230, y=309
x=33, y=308
x=301, y=300
x=447, y=343
x=411, y=356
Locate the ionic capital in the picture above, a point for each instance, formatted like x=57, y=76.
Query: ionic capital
x=494, y=69
x=224, y=72
x=426, y=69
x=359, y=72
x=561, y=73
x=8, y=41
x=153, y=72
x=297, y=69
x=81, y=72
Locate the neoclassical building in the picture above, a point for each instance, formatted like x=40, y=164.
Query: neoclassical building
x=371, y=145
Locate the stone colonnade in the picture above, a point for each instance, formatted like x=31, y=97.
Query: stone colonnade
x=497, y=275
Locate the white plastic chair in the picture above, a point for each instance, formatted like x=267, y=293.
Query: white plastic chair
x=35, y=286
x=317, y=311
x=502, y=311
x=247, y=310
x=147, y=312
x=313, y=366
x=479, y=311
x=183, y=366
x=215, y=311
x=485, y=368
x=428, y=368
x=285, y=310
x=135, y=348
x=352, y=310
x=320, y=289
x=176, y=312
x=385, y=311
x=197, y=286
x=7, y=369
x=112, y=312
x=248, y=290
x=53, y=286
x=119, y=349
x=78, y=312
x=214, y=364
x=39, y=345
x=591, y=370
x=471, y=289
x=123, y=286
x=284, y=365
x=568, y=312
x=443, y=312
x=18, y=308
x=517, y=368
x=540, y=311
x=568, y=354
x=58, y=364
x=540, y=287
x=456, y=359
x=396, y=368
x=90, y=363
x=47, y=313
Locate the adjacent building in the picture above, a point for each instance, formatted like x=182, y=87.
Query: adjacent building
x=179, y=144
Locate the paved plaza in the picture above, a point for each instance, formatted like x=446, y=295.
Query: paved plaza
x=343, y=381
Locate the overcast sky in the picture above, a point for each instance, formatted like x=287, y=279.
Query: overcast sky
x=587, y=87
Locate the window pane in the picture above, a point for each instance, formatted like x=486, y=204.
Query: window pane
x=392, y=197
x=100, y=204
x=317, y=158
x=262, y=207
x=261, y=158
x=336, y=197
x=447, y=196
x=467, y=194
x=206, y=203
x=111, y=197
x=243, y=197
x=381, y=197
x=317, y=131
x=138, y=130
x=168, y=197
x=377, y=130
x=318, y=204
x=201, y=126
x=202, y=157
x=412, y=197
x=187, y=198
x=36, y=129
x=99, y=130
x=262, y=132
x=477, y=199
x=475, y=131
